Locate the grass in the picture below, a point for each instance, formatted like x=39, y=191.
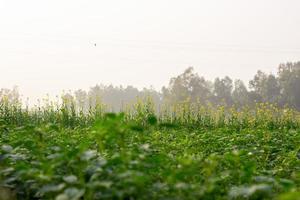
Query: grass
x=185, y=152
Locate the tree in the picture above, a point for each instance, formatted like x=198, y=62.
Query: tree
x=257, y=85
x=266, y=87
x=187, y=86
x=223, y=90
x=289, y=79
x=240, y=94
x=272, y=89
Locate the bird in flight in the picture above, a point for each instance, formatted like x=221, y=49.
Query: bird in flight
x=95, y=44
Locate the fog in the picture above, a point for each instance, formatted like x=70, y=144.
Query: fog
x=48, y=46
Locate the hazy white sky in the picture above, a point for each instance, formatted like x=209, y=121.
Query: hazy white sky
x=48, y=45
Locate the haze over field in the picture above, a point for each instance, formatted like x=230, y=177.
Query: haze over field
x=157, y=99
x=47, y=46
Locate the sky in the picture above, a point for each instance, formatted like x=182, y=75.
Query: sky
x=47, y=46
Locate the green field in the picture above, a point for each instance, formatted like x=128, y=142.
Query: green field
x=182, y=153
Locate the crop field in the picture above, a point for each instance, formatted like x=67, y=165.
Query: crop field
x=184, y=152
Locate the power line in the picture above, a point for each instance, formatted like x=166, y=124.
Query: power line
x=168, y=45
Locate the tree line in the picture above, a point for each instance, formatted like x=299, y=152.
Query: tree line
x=282, y=89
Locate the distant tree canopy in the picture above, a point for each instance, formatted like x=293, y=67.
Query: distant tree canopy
x=282, y=89
x=187, y=86
x=115, y=98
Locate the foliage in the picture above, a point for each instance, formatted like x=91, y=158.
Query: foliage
x=187, y=151
x=282, y=89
